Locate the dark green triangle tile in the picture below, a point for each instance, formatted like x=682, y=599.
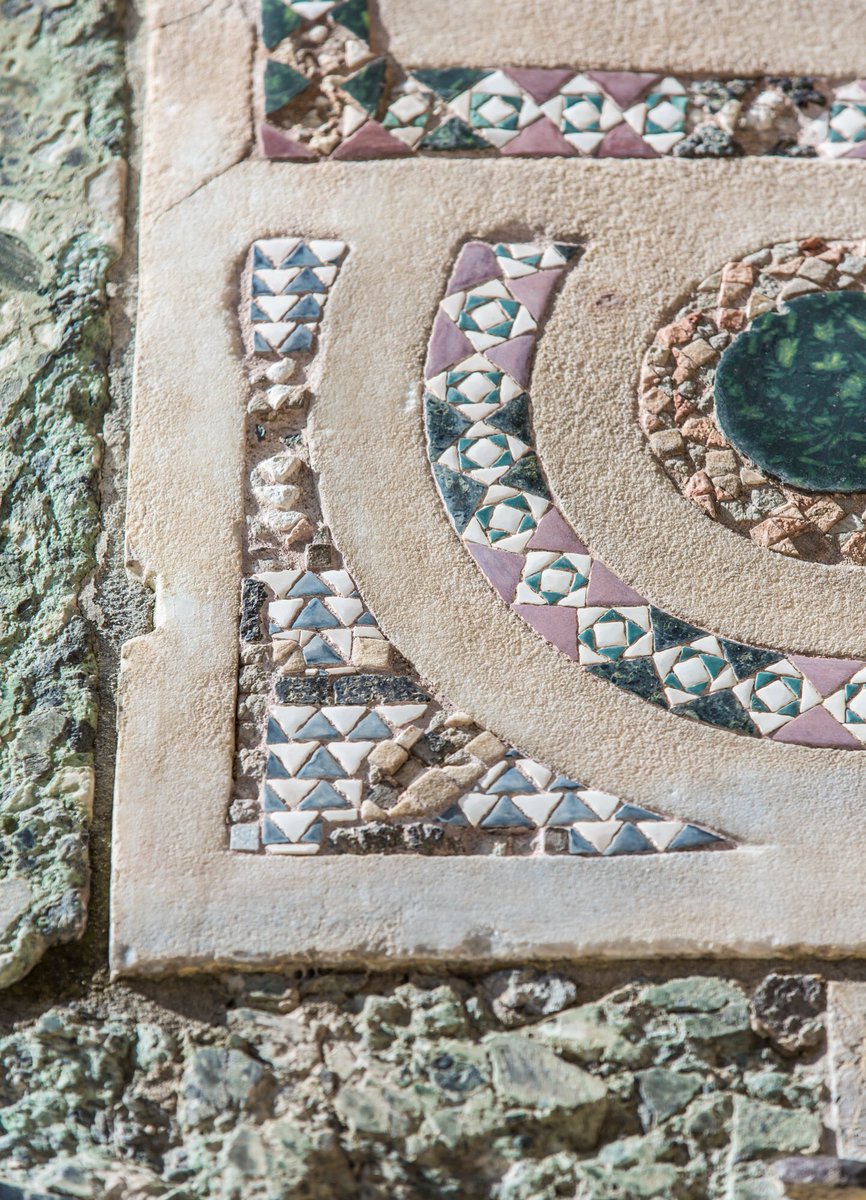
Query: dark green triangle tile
x=282, y=84
x=671, y=631
x=453, y=134
x=514, y=418
x=632, y=675
x=528, y=476
x=366, y=85
x=722, y=709
x=449, y=82
x=279, y=21
x=444, y=425
x=354, y=15
x=748, y=660
x=460, y=495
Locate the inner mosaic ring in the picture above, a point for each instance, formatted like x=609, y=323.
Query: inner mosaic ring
x=480, y=444
x=678, y=414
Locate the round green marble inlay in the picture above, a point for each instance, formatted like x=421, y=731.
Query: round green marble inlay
x=790, y=392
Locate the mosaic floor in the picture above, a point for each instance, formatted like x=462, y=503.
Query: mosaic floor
x=342, y=749
x=326, y=87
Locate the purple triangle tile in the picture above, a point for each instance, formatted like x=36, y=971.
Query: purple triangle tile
x=447, y=346
x=501, y=568
x=623, y=142
x=276, y=144
x=541, y=139
x=623, y=86
x=514, y=356
x=540, y=83
x=554, y=533
x=607, y=588
x=371, y=141
x=827, y=674
x=476, y=263
x=534, y=290
x=817, y=728
x=859, y=151
x=557, y=625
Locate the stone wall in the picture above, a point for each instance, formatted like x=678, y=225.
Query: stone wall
x=516, y=1084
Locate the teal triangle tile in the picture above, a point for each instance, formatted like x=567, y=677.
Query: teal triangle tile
x=514, y=418
x=444, y=425
x=318, y=729
x=691, y=838
x=506, y=815
x=321, y=765
x=275, y=734
x=310, y=585
x=460, y=495
x=633, y=812
x=282, y=84
x=279, y=21
x=510, y=781
x=301, y=256
x=567, y=252
x=635, y=675
x=299, y=339
x=570, y=809
x=747, y=660
x=722, y=709
x=260, y=288
x=449, y=82
x=324, y=796
x=260, y=345
x=260, y=259
x=671, y=631
x=272, y=802
x=629, y=840
x=366, y=85
x=562, y=781
x=256, y=314
x=372, y=729
x=577, y=844
x=452, y=816
x=307, y=308
x=275, y=769
x=353, y=15
x=271, y=835
x=528, y=476
x=314, y=833
x=317, y=653
x=314, y=615
x=304, y=281
x=366, y=618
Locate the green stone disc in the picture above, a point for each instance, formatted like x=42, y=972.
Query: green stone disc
x=791, y=392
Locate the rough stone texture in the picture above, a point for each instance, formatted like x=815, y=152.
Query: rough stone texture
x=789, y=1010
x=324, y=1086
x=62, y=132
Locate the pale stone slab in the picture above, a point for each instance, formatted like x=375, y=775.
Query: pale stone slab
x=180, y=898
x=846, y=1051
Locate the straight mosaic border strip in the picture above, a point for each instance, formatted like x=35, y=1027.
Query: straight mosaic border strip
x=480, y=444
x=326, y=93
x=341, y=748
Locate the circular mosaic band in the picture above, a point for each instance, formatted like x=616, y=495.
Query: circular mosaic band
x=481, y=447
x=678, y=411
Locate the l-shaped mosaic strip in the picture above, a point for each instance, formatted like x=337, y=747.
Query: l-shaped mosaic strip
x=325, y=92
x=481, y=447
x=341, y=748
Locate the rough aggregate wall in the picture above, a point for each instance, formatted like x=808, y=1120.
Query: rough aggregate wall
x=512, y=1085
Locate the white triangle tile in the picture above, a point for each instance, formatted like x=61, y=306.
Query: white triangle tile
x=660, y=833
x=293, y=755
x=339, y=581
x=327, y=251
x=344, y=717
x=292, y=791
x=290, y=717
x=598, y=833
x=350, y=755
x=600, y=802
x=352, y=789
x=401, y=714
x=277, y=249
x=475, y=806
x=537, y=805
x=293, y=824
x=279, y=582
x=347, y=608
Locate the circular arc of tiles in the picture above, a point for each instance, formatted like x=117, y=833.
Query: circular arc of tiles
x=480, y=444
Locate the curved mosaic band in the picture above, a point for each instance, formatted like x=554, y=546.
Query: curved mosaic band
x=481, y=447
x=328, y=93
x=343, y=748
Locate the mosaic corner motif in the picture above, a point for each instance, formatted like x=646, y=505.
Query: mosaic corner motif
x=341, y=747
x=480, y=442
x=327, y=91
